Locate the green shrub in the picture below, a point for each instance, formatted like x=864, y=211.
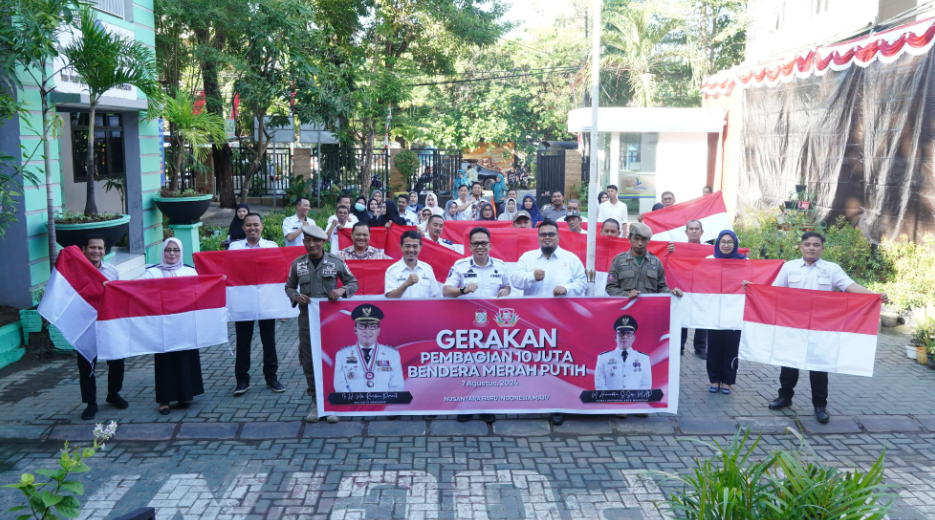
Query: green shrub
x=909, y=279
x=407, y=162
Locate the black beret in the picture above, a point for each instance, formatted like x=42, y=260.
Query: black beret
x=626, y=322
x=367, y=312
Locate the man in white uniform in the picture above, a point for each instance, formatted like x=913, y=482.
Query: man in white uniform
x=623, y=368
x=367, y=366
x=292, y=225
x=614, y=209
x=549, y=270
x=411, y=278
x=479, y=275
x=433, y=231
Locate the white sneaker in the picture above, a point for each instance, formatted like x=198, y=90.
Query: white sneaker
x=332, y=419
x=312, y=416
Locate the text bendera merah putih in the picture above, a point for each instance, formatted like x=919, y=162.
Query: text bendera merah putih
x=500, y=362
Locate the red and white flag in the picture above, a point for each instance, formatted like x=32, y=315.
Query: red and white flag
x=155, y=316
x=811, y=330
x=714, y=296
x=72, y=299
x=255, y=280
x=668, y=224
x=371, y=276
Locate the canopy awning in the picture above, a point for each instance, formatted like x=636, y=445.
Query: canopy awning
x=629, y=119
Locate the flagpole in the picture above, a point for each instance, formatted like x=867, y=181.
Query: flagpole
x=592, y=186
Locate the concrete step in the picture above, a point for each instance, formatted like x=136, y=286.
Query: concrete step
x=129, y=265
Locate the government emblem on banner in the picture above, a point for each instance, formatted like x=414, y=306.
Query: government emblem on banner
x=480, y=318
x=506, y=317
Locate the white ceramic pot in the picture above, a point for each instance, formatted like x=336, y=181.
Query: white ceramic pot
x=911, y=351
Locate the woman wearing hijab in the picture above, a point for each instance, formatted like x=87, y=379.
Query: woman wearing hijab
x=724, y=345
x=460, y=180
x=431, y=202
x=390, y=216
x=499, y=189
x=359, y=209
x=377, y=195
x=509, y=211
x=486, y=212
x=235, y=232
x=373, y=209
x=451, y=211
x=424, y=217
x=529, y=204
x=178, y=374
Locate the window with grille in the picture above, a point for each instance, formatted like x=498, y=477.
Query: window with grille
x=108, y=145
x=114, y=7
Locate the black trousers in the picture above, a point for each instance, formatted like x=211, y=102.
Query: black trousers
x=88, y=382
x=723, y=352
x=700, y=340
x=788, y=377
x=244, y=330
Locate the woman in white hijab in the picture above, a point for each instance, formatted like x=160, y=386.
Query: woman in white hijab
x=178, y=374
x=509, y=212
x=431, y=202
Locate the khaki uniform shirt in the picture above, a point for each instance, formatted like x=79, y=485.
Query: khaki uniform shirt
x=625, y=275
x=317, y=282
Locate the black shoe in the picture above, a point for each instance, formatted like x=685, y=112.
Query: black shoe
x=701, y=354
x=488, y=418
x=780, y=403
x=89, y=412
x=464, y=418
x=558, y=418
x=185, y=406
x=276, y=386
x=822, y=415
x=310, y=392
x=682, y=352
x=241, y=389
x=164, y=411
x=431, y=417
x=117, y=401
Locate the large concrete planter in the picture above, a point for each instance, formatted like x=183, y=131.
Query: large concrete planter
x=76, y=234
x=184, y=210
x=11, y=343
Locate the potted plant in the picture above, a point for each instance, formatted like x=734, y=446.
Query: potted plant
x=791, y=203
x=188, y=127
x=103, y=61
x=800, y=188
x=924, y=337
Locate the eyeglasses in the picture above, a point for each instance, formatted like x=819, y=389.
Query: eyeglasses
x=548, y=235
x=172, y=250
x=726, y=242
x=625, y=334
x=480, y=244
x=368, y=326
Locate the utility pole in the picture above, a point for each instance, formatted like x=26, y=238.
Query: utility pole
x=592, y=186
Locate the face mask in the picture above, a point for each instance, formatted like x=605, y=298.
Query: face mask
x=359, y=206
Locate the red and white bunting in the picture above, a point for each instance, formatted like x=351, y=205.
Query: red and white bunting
x=72, y=298
x=668, y=224
x=154, y=316
x=714, y=296
x=811, y=330
x=255, y=280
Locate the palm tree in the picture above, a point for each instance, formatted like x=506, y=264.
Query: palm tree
x=188, y=127
x=103, y=61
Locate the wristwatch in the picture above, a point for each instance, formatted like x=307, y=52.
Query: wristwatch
x=462, y=290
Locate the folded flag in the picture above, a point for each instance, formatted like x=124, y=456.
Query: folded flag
x=155, y=316
x=668, y=224
x=714, y=296
x=72, y=298
x=255, y=280
x=811, y=330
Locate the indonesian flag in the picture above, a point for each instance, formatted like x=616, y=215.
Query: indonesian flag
x=371, y=276
x=714, y=296
x=72, y=299
x=811, y=330
x=255, y=280
x=668, y=224
x=155, y=316
x=377, y=238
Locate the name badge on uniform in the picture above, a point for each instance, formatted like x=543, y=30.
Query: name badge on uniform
x=329, y=271
x=351, y=360
x=301, y=269
x=637, y=366
x=470, y=275
x=613, y=361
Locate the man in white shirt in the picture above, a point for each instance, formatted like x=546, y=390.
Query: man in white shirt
x=292, y=225
x=464, y=204
x=471, y=173
x=811, y=272
x=411, y=278
x=402, y=202
x=433, y=231
x=479, y=275
x=614, y=209
x=549, y=270
x=342, y=219
x=477, y=201
x=253, y=227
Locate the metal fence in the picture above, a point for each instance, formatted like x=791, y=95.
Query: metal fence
x=271, y=179
x=437, y=171
x=341, y=168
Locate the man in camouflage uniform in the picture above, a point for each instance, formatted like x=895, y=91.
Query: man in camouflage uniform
x=315, y=276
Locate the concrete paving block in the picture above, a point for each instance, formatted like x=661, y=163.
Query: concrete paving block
x=767, y=425
x=643, y=426
x=888, y=423
x=396, y=428
x=707, y=425
x=838, y=424
x=74, y=432
x=271, y=430
x=145, y=432
x=23, y=432
x=585, y=426
x=341, y=429
x=208, y=431
x=928, y=421
x=522, y=427
x=454, y=428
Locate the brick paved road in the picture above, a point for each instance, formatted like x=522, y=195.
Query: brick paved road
x=252, y=457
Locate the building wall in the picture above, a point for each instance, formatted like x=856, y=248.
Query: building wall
x=681, y=164
x=727, y=170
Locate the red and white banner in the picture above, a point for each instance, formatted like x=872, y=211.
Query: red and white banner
x=72, y=298
x=487, y=356
x=811, y=330
x=714, y=296
x=155, y=316
x=371, y=276
x=668, y=224
x=255, y=280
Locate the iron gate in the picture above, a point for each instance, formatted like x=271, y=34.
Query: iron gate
x=550, y=174
x=436, y=172
x=341, y=167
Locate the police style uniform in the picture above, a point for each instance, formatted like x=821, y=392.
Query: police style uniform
x=626, y=274
x=623, y=369
x=489, y=279
x=397, y=274
x=315, y=282
x=368, y=369
x=243, y=244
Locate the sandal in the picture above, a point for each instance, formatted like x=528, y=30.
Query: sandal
x=725, y=390
x=163, y=409
x=714, y=389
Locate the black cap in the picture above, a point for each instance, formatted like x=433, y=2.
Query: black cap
x=367, y=313
x=626, y=322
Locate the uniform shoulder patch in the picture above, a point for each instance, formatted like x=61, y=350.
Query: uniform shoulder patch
x=643, y=353
x=607, y=351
